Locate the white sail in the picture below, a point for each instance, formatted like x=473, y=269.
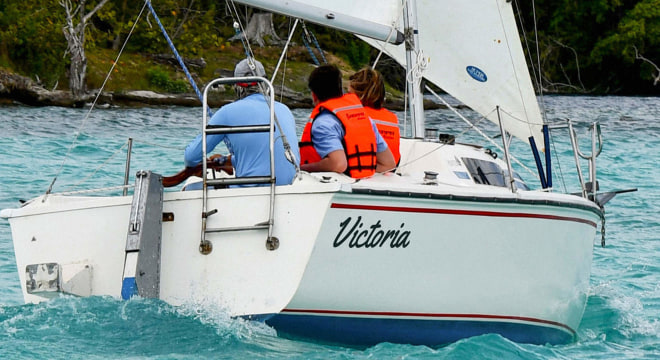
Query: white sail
x=472, y=49
x=373, y=19
x=473, y=52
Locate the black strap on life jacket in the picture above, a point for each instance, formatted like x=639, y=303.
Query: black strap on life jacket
x=371, y=153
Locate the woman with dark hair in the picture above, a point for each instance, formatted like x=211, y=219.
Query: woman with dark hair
x=369, y=86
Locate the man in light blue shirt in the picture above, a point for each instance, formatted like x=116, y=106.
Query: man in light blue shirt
x=250, y=153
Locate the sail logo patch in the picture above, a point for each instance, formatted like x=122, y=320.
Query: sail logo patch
x=476, y=73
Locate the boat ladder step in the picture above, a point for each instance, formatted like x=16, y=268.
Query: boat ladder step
x=222, y=129
x=239, y=180
x=261, y=226
x=272, y=243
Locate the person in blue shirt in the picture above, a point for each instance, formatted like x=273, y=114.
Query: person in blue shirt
x=250, y=154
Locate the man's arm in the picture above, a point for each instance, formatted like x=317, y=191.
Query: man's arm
x=385, y=161
x=327, y=133
x=334, y=161
x=192, y=156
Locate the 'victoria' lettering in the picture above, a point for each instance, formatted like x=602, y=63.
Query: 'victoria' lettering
x=360, y=236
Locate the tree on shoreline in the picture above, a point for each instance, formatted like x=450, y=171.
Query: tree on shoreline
x=602, y=47
x=74, y=32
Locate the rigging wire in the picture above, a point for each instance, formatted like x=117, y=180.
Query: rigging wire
x=536, y=69
x=241, y=36
x=393, y=31
x=307, y=37
x=96, y=190
x=233, y=12
x=291, y=31
x=288, y=152
x=542, y=102
x=538, y=59
x=412, y=161
x=98, y=167
x=98, y=95
x=318, y=47
x=124, y=144
x=538, y=79
x=176, y=53
x=473, y=126
x=515, y=72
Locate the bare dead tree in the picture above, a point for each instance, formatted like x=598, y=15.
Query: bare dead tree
x=656, y=78
x=577, y=65
x=556, y=86
x=74, y=32
x=260, y=30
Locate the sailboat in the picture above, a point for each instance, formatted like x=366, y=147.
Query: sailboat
x=452, y=244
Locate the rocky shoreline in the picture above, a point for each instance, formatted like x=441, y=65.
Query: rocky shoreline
x=17, y=89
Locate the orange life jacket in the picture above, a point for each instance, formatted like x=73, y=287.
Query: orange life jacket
x=388, y=127
x=359, y=139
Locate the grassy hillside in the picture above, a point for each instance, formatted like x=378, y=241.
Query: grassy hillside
x=136, y=71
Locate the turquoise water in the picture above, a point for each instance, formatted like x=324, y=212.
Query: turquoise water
x=620, y=321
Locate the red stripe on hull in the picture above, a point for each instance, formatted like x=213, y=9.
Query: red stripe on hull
x=460, y=212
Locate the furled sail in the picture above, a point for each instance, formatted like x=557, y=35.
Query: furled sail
x=373, y=19
x=470, y=49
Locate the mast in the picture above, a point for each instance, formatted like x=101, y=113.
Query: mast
x=413, y=77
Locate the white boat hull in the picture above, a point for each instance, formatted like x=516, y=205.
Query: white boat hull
x=240, y=274
x=452, y=269
x=390, y=258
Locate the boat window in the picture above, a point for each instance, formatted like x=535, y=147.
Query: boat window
x=490, y=173
x=485, y=172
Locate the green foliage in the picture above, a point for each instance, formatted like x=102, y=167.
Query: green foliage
x=358, y=54
x=199, y=34
x=159, y=78
x=110, y=23
x=587, y=45
x=31, y=38
x=191, y=29
x=637, y=34
x=640, y=27
x=355, y=51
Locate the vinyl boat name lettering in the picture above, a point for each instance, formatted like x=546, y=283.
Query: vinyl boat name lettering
x=356, y=234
